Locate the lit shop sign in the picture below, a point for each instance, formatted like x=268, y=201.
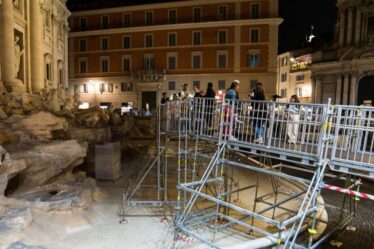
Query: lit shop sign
x=295, y=66
x=301, y=63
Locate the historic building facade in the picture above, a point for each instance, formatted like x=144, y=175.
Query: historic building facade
x=344, y=72
x=33, y=45
x=294, y=75
x=131, y=54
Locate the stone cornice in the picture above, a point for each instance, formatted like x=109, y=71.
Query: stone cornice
x=269, y=21
x=167, y=5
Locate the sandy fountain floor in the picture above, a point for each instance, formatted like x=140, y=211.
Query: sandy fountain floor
x=99, y=228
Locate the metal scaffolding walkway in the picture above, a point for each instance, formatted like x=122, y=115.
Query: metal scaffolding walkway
x=215, y=139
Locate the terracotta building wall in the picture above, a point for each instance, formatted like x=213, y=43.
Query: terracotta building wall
x=184, y=15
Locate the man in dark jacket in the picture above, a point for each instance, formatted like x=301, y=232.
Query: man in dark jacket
x=259, y=112
x=164, y=98
x=210, y=93
x=209, y=103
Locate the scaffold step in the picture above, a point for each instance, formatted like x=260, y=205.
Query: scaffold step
x=146, y=203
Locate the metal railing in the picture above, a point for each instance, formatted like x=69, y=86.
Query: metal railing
x=287, y=131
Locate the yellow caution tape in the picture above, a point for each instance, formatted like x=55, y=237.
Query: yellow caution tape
x=279, y=241
x=312, y=231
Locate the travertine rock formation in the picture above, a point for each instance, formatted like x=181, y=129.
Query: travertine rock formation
x=46, y=161
x=8, y=169
x=92, y=118
x=41, y=126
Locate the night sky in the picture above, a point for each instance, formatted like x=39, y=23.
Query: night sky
x=298, y=15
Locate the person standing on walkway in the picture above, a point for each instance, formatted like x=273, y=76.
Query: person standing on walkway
x=293, y=120
x=231, y=95
x=259, y=112
x=209, y=97
x=183, y=94
x=164, y=98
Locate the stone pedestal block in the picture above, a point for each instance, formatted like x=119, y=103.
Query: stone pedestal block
x=108, y=161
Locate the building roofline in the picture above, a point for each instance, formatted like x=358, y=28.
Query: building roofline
x=172, y=4
x=271, y=21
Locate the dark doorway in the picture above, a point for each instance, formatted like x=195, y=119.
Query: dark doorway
x=365, y=90
x=150, y=98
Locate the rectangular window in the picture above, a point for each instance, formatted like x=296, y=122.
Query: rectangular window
x=196, y=83
x=283, y=93
x=197, y=17
x=299, y=92
x=126, y=64
x=283, y=77
x=196, y=38
x=172, y=62
x=222, y=12
x=255, y=11
x=300, y=77
x=103, y=88
x=83, y=23
x=222, y=60
x=82, y=66
x=127, y=87
x=126, y=42
x=148, y=41
x=171, y=85
x=106, y=87
x=149, y=63
x=255, y=35
x=172, y=39
x=222, y=36
x=196, y=61
x=110, y=87
x=104, y=22
x=104, y=65
x=76, y=88
x=284, y=61
x=221, y=84
x=254, y=59
x=83, y=88
x=126, y=20
x=104, y=43
x=149, y=18
x=172, y=16
x=82, y=45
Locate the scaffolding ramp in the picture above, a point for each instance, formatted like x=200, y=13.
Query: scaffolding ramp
x=256, y=169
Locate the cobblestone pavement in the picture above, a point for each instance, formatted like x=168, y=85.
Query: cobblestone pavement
x=363, y=237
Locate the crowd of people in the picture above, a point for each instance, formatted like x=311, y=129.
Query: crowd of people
x=259, y=108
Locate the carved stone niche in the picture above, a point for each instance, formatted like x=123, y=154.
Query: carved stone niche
x=19, y=50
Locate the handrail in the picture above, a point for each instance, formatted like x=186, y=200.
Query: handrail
x=288, y=131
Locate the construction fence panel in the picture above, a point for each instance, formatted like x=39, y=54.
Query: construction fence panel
x=178, y=113
x=352, y=146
